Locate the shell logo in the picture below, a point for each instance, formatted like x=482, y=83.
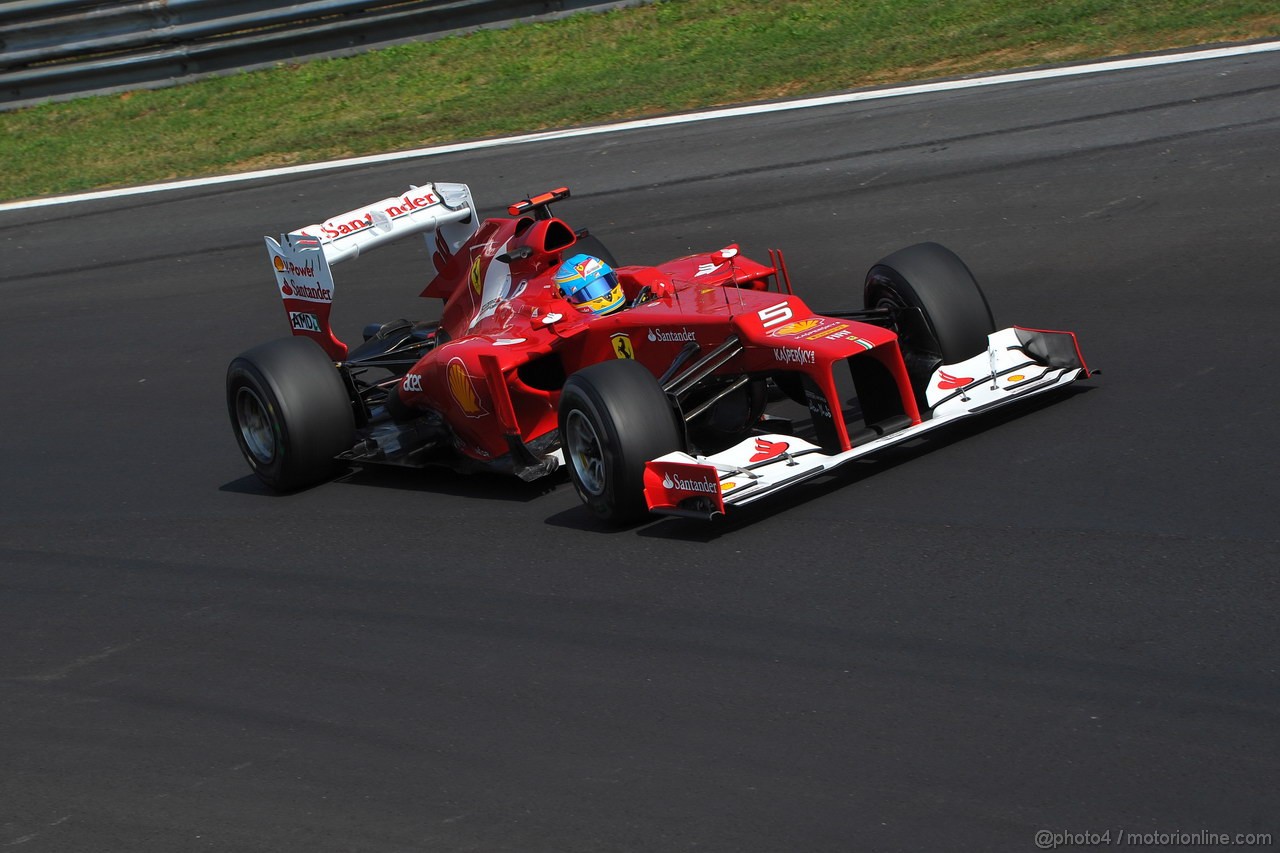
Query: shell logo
x=464, y=390
x=279, y=264
x=798, y=327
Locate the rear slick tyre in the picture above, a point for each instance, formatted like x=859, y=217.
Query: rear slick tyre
x=615, y=417
x=290, y=411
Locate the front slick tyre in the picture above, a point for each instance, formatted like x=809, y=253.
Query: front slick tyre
x=934, y=280
x=614, y=417
x=290, y=411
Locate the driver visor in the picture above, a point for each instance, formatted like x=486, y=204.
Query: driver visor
x=601, y=287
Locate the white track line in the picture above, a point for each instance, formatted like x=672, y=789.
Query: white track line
x=662, y=121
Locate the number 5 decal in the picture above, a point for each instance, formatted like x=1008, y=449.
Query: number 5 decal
x=774, y=314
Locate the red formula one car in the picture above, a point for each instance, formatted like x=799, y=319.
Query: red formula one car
x=682, y=389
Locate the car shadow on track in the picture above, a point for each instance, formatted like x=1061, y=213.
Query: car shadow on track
x=497, y=487
x=441, y=481
x=444, y=481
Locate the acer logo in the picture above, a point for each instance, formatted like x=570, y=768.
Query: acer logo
x=412, y=382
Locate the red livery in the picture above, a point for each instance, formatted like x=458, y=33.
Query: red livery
x=681, y=388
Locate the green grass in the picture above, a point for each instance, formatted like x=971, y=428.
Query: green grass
x=590, y=68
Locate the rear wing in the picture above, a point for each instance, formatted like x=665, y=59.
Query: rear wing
x=302, y=259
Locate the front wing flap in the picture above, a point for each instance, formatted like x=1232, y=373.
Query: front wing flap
x=1018, y=364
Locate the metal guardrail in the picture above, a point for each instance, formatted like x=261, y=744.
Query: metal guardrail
x=60, y=49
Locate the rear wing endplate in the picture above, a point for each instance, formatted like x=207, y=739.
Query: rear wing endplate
x=302, y=259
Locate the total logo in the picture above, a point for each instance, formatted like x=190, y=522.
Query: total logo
x=659, y=336
x=794, y=355
x=412, y=382
x=304, y=322
x=675, y=481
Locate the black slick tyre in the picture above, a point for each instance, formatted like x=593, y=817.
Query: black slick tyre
x=614, y=417
x=290, y=411
x=931, y=278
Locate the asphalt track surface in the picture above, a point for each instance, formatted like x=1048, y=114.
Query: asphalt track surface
x=1058, y=619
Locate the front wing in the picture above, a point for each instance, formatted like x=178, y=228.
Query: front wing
x=1018, y=364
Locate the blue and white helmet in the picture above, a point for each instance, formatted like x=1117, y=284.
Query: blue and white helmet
x=589, y=284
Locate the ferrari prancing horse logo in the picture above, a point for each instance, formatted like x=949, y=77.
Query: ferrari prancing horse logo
x=622, y=347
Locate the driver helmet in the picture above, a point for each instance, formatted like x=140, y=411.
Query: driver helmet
x=589, y=284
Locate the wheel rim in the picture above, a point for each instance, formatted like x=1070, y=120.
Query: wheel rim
x=586, y=453
x=891, y=299
x=256, y=427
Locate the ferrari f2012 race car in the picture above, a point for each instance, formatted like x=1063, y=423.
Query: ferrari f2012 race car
x=685, y=388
